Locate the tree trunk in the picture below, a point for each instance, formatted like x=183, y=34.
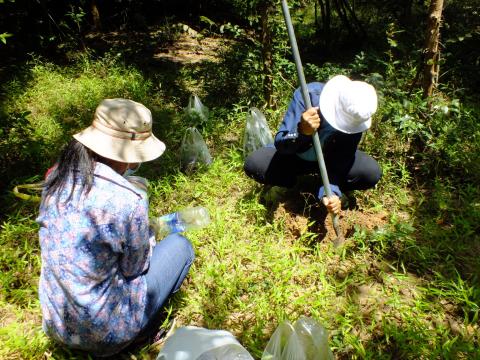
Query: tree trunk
x=432, y=51
x=325, y=13
x=349, y=8
x=97, y=23
x=343, y=16
x=266, y=41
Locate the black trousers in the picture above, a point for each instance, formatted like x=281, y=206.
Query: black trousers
x=267, y=166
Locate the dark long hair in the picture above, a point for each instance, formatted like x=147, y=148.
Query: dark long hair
x=76, y=162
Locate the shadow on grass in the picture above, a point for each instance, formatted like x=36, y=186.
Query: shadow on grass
x=446, y=246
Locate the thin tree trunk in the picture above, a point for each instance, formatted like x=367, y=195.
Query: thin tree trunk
x=266, y=41
x=342, y=14
x=97, y=23
x=325, y=12
x=432, y=51
x=346, y=5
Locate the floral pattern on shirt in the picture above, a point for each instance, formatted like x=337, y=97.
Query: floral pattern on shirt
x=94, y=249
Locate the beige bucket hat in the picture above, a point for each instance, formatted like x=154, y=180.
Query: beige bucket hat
x=122, y=130
x=348, y=105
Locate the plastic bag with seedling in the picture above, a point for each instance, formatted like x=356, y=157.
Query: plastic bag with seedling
x=257, y=133
x=196, y=114
x=193, y=151
x=306, y=339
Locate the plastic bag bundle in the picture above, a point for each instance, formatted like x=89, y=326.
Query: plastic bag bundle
x=195, y=112
x=257, y=133
x=193, y=151
x=195, y=343
x=306, y=339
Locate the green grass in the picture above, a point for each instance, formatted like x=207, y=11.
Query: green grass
x=406, y=288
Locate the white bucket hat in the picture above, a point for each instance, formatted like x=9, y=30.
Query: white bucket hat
x=348, y=105
x=122, y=130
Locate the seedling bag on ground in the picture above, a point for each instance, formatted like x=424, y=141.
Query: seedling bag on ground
x=196, y=113
x=193, y=151
x=257, y=133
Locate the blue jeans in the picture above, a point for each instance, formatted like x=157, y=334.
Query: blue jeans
x=169, y=265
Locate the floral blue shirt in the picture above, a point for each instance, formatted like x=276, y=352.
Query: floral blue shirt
x=94, y=250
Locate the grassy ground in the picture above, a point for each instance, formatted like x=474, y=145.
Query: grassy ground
x=405, y=285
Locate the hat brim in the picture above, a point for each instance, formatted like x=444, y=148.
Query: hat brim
x=123, y=150
x=329, y=106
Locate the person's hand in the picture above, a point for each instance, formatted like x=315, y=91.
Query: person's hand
x=309, y=122
x=332, y=204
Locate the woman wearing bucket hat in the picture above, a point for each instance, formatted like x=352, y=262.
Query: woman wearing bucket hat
x=104, y=278
x=342, y=110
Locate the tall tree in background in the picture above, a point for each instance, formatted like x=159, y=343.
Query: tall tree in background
x=325, y=12
x=432, y=50
x=97, y=23
x=266, y=10
x=261, y=15
x=347, y=16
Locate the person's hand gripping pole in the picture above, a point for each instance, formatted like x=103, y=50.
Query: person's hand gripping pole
x=316, y=140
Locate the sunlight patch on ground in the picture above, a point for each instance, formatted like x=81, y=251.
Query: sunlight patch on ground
x=191, y=50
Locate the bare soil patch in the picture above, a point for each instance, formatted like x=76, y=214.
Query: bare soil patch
x=179, y=44
x=301, y=212
x=188, y=49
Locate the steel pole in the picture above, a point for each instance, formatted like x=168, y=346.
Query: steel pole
x=308, y=104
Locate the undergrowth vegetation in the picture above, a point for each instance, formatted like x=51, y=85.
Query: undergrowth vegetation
x=406, y=284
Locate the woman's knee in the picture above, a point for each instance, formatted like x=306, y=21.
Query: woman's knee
x=181, y=245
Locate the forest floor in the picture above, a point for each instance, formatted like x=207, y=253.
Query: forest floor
x=393, y=291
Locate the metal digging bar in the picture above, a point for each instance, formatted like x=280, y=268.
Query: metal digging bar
x=306, y=98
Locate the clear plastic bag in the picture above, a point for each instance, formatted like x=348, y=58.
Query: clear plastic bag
x=314, y=339
x=193, y=151
x=226, y=352
x=278, y=342
x=306, y=339
x=195, y=343
x=196, y=113
x=257, y=133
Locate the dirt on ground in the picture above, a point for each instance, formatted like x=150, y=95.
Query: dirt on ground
x=191, y=49
x=178, y=44
x=301, y=212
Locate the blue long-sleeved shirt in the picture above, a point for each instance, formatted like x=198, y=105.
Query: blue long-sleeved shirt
x=338, y=148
